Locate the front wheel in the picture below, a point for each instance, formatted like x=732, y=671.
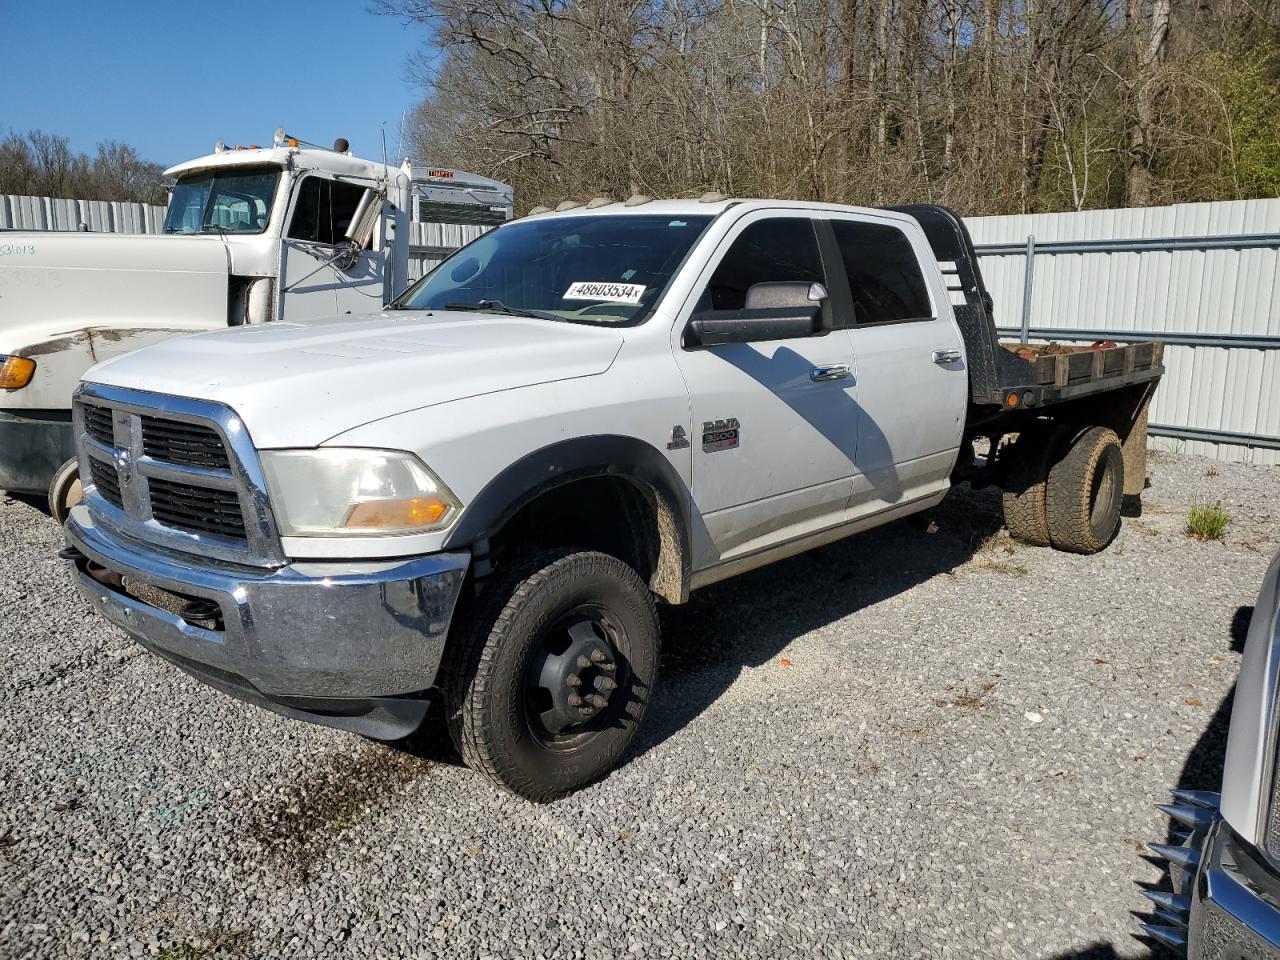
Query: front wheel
x=549, y=679
x=65, y=490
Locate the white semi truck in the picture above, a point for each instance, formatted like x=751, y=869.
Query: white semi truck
x=251, y=235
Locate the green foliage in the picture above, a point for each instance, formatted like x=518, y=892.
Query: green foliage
x=1207, y=521
x=1230, y=114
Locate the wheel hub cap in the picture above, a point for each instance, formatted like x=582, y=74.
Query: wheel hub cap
x=581, y=679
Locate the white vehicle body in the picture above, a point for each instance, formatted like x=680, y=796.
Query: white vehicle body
x=484, y=391
x=1225, y=872
x=70, y=300
x=671, y=391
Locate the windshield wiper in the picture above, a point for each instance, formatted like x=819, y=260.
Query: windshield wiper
x=497, y=306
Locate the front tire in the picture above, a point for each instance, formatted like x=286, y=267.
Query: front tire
x=65, y=490
x=551, y=674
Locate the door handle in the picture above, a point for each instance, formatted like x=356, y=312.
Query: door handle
x=946, y=356
x=840, y=371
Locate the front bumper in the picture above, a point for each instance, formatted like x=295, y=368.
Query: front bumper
x=1225, y=903
x=350, y=645
x=33, y=445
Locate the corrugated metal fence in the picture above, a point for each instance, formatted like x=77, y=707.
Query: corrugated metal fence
x=1203, y=275
x=46, y=213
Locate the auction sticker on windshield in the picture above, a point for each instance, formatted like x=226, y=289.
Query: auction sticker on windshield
x=613, y=292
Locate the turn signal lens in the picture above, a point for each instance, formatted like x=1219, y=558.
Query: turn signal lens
x=393, y=514
x=16, y=372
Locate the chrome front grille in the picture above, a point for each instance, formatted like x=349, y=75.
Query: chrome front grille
x=179, y=473
x=187, y=507
x=104, y=477
x=186, y=443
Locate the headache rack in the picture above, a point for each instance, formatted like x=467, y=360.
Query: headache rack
x=1019, y=376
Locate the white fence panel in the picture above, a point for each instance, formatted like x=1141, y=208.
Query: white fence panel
x=97, y=216
x=1206, y=291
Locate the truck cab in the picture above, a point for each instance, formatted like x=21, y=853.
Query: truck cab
x=251, y=235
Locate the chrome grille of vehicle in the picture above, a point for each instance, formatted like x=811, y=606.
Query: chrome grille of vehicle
x=188, y=507
x=187, y=443
x=97, y=423
x=108, y=484
x=179, y=473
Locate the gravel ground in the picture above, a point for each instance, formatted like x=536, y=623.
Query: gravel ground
x=922, y=742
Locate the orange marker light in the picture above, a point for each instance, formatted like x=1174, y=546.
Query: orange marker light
x=410, y=514
x=16, y=372
x=1012, y=400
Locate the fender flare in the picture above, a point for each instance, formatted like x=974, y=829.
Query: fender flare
x=602, y=455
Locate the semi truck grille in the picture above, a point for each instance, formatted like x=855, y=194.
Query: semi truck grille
x=185, y=443
x=179, y=473
x=188, y=507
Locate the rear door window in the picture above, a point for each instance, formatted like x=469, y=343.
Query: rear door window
x=884, y=274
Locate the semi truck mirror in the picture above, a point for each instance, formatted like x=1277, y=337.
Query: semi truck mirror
x=367, y=213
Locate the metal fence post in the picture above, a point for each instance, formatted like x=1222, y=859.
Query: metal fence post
x=1028, y=280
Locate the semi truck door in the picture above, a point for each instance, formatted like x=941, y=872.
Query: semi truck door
x=313, y=284
x=774, y=424
x=912, y=384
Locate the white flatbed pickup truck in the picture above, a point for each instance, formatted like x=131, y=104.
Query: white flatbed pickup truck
x=476, y=496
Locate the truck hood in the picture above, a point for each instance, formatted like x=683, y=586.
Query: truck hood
x=58, y=286
x=297, y=384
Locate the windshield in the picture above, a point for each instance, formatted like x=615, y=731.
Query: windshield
x=594, y=269
x=234, y=201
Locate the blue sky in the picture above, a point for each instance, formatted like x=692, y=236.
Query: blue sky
x=171, y=78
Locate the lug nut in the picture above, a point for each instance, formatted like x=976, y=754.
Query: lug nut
x=574, y=680
x=597, y=655
x=583, y=662
x=598, y=700
x=605, y=684
x=575, y=700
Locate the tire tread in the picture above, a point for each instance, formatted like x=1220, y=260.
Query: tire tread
x=1068, y=490
x=468, y=668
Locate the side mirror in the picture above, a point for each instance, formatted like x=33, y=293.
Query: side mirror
x=367, y=213
x=346, y=255
x=714, y=327
x=773, y=311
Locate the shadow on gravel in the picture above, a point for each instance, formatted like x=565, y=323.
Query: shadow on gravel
x=746, y=621
x=1095, y=951
x=34, y=501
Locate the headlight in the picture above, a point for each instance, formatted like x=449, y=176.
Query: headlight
x=353, y=492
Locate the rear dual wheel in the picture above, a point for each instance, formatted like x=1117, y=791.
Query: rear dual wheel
x=1084, y=492
x=1065, y=488
x=549, y=680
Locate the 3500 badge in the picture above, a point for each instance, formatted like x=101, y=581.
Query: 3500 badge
x=720, y=434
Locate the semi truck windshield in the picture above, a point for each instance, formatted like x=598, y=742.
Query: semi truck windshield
x=234, y=201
